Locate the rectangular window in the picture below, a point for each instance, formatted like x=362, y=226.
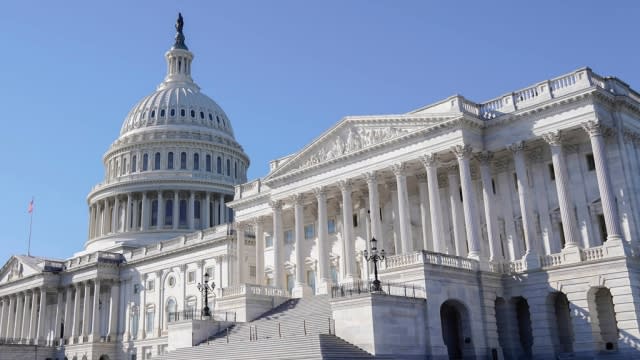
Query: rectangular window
x=170, y=160
x=602, y=225
x=288, y=237
x=591, y=162
x=355, y=220
x=561, y=231
x=331, y=225
x=290, y=282
x=552, y=172
x=150, y=285
x=191, y=277
x=211, y=271
x=268, y=241
x=252, y=271
x=309, y=231
x=149, y=320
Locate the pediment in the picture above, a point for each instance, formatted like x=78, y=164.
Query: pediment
x=353, y=135
x=18, y=267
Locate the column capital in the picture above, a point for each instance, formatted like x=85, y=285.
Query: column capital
x=421, y=177
x=594, y=128
x=399, y=169
x=452, y=170
x=258, y=220
x=371, y=177
x=485, y=157
x=429, y=160
x=516, y=147
x=553, y=138
x=345, y=185
x=296, y=199
x=629, y=136
x=276, y=205
x=462, y=151
x=320, y=192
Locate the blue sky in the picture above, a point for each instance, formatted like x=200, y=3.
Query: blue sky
x=284, y=71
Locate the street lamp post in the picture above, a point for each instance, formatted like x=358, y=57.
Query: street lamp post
x=205, y=288
x=374, y=257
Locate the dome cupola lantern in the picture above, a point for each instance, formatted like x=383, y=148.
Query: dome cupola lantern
x=179, y=60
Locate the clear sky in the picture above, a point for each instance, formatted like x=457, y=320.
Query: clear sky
x=283, y=71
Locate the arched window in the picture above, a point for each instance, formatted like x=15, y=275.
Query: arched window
x=168, y=212
x=201, y=115
x=145, y=162
x=162, y=113
x=183, y=160
x=210, y=117
x=173, y=112
x=196, y=161
x=153, y=114
x=182, y=112
x=133, y=163
x=208, y=162
x=196, y=209
x=154, y=213
x=228, y=167
x=218, y=118
x=171, y=310
x=156, y=162
x=124, y=166
x=170, y=160
x=235, y=169
x=193, y=114
x=219, y=165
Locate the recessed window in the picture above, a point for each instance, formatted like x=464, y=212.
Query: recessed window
x=196, y=161
x=183, y=160
x=591, y=162
x=168, y=212
x=182, y=112
x=156, y=162
x=561, y=231
x=252, y=271
x=154, y=213
x=218, y=118
x=210, y=117
x=268, y=241
x=355, y=220
x=150, y=285
x=201, y=115
x=145, y=162
x=183, y=213
x=173, y=112
x=170, y=160
x=228, y=167
x=153, y=114
x=219, y=165
x=208, y=162
x=235, y=170
x=210, y=270
x=193, y=114
x=288, y=237
x=196, y=209
x=602, y=226
x=162, y=113
x=552, y=172
x=331, y=226
x=133, y=163
x=309, y=231
x=191, y=277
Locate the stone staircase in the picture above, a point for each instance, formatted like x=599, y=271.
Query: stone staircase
x=297, y=329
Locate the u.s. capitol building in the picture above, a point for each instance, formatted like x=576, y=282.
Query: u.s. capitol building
x=510, y=230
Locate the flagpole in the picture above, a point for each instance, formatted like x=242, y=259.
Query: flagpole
x=30, y=224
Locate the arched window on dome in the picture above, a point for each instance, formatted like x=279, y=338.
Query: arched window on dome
x=228, y=167
x=133, y=163
x=170, y=160
x=224, y=123
x=196, y=161
x=173, y=112
x=193, y=114
x=210, y=117
x=201, y=115
x=162, y=113
x=153, y=114
x=208, y=162
x=154, y=213
x=183, y=160
x=218, y=118
x=219, y=165
x=145, y=162
x=235, y=169
x=182, y=112
x=156, y=162
x=168, y=212
x=183, y=213
x=124, y=166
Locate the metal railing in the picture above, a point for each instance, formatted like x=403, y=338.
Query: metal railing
x=366, y=286
x=196, y=314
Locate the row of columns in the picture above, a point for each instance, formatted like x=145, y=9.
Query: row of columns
x=106, y=218
x=430, y=192
x=22, y=317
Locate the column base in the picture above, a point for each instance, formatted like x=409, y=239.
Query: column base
x=324, y=288
x=616, y=246
x=571, y=254
x=301, y=290
x=531, y=261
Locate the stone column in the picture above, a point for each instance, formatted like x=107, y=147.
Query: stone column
x=300, y=288
x=160, y=216
x=404, y=213
x=95, y=323
x=145, y=212
x=75, y=327
x=127, y=214
x=207, y=214
x=115, y=220
x=463, y=153
x=607, y=196
x=530, y=257
x=423, y=195
x=347, y=231
x=105, y=217
x=457, y=214
x=278, y=235
x=240, y=264
x=259, y=229
x=374, y=205
x=98, y=224
x=176, y=210
x=191, y=210
x=59, y=313
x=42, y=332
x=223, y=210
x=10, y=324
x=430, y=162
x=86, y=315
x=567, y=212
x=142, y=308
x=24, y=331
x=17, y=327
x=489, y=200
x=392, y=187
x=33, y=317
x=68, y=314
x=3, y=316
x=324, y=283
x=92, y=221
x=113, y=310
x=159, y=304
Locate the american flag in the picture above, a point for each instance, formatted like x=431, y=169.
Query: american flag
x=30, y=209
